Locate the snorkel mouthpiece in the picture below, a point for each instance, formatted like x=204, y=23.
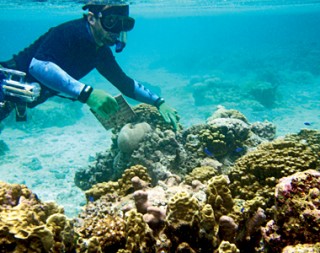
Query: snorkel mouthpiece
x=121, y=42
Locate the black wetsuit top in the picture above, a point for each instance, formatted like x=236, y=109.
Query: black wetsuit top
x=71, y=46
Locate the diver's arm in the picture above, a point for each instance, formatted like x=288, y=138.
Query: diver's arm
x=111, y=70
x=55, y=78
x=144, y=95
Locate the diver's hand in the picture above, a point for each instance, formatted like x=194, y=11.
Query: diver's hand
x=169, y=115
x=102, y=103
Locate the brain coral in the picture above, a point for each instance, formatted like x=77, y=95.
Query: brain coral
x=131, y=135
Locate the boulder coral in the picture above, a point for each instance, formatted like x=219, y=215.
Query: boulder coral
x=101, y=234
x=131, y=135
x=256, y=173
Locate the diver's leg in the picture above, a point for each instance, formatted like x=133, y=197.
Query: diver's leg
x=5, y=109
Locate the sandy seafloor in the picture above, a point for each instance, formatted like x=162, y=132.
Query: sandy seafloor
x=61, y=137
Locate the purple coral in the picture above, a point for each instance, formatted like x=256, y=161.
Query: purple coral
x=297, y=213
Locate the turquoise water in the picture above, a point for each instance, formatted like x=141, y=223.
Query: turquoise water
x=235, y=41
x=177, y=44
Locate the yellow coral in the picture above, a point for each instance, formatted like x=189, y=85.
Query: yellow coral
x=227, y=247
x=203, y=174
x=10, y=194
x=257, y=172
x=183, y=208
x=219, y=196
x=24, y=225
x=136, y=230
x=122, y=187
x=101, y=189
x=125, y=184
x=208, y=222
x=150, y=114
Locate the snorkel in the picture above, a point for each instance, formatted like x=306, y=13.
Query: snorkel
x=121, y=42
x=114, y=18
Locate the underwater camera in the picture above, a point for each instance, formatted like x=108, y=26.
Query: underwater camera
x=13, y=88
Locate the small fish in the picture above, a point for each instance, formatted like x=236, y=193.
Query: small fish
x=208, y=152
x=239, y=149
x=91, y=199
x=307, y=123
x=242, y=210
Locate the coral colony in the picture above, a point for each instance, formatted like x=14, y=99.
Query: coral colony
x=223, y=186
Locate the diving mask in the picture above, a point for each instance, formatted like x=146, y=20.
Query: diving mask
x=116, y=19
x=116, y=23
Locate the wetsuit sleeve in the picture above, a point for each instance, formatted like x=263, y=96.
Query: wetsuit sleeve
x=111, y=70
x=58, y=63
x=55, y=78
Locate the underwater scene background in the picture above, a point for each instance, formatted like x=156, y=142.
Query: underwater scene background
x=244, y=77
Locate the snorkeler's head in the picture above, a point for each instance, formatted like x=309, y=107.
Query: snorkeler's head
x=113, y=14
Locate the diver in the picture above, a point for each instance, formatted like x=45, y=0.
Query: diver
x=66, y=53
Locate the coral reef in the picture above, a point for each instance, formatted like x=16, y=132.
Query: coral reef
x=264, y=92
x=206, y=90
x=226, y=136
x=169, y=217
x=223, y=113
x=126, y=184
x=202, y=174
x=297, y=216
x=99, y=170
x=227, y=247
x=256, y=173
x=302, y=248
x=29, y=225
x=180, y=194
x=130, y=215
x=219, y=196
x=309, y=137
x=265, y=130
x=221, y=186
